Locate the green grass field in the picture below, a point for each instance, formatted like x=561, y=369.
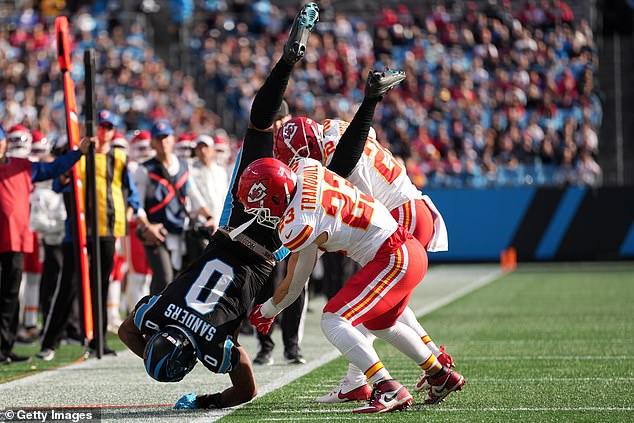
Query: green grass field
x=64, y=355
x=546, y=343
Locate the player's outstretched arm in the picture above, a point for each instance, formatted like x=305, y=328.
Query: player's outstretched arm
x=300, y=265
x=352, y=142
x=244, y=389
x=132, y=336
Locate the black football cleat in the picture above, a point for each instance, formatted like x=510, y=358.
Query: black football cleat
x=379, y=83
x=303, y=25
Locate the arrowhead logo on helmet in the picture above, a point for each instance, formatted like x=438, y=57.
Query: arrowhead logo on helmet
x=288, y=131
x=297, y=138
x=256, y=193
x=265, y=190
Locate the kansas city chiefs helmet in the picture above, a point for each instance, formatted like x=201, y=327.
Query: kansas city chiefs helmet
x=297, y=138
x=265, y=190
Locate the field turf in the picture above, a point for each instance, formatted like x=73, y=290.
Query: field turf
x=548, y=343
x=64, y=355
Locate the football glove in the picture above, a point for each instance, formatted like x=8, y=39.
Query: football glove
x=186, y=402
x=262, y=324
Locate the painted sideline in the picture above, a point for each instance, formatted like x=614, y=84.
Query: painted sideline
x=454, y=290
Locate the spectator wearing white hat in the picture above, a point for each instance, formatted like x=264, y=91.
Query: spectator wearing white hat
x=210, y=177
x=212, y=182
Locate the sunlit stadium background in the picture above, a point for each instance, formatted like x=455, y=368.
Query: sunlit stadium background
x=517, y=118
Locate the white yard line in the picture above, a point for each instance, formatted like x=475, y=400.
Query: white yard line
x=443, y=410
x=440, y=287
x=121, y=381
x=460, y=292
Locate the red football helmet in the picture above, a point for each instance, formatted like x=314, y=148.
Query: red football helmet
x=140, y=146
x=19, y=138
x=265, y=190
x=40, y=146
x=184, y=147
x=299, y=137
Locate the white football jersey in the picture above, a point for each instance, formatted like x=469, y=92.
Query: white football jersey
x=356, y=224
x=377, y=172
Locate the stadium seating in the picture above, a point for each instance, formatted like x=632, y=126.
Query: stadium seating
x=502, y=95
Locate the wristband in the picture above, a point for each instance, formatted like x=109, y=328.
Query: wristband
x=269, y=309
x=209, y=401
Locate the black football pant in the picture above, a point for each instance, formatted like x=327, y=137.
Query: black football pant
x=51, y=272
x=11, y=266
x=69, y=291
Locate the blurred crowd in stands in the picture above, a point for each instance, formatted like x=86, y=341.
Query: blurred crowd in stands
x=498, y=93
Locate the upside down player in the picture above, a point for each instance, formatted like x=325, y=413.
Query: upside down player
x=315, y=208
x=198, y=315
x=379, y=174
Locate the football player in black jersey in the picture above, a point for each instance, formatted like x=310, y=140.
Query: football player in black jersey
x=197, y=317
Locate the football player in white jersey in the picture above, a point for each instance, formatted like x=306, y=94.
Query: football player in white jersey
x=379, y=174
x=314, y=208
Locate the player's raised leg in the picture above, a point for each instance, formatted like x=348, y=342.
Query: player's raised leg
x=269, y=98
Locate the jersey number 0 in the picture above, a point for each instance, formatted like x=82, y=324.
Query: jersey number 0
x=210, y=286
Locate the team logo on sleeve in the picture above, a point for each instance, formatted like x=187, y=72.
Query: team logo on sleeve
x=256, y=193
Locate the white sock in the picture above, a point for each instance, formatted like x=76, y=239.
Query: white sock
x=353, y=346
x=355, y=376
x=31, y=299
x=138, y=287
x=114, y=294
x=409, y=318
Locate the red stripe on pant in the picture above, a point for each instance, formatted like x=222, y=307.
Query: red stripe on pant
x=378, y=293
x=419, y=219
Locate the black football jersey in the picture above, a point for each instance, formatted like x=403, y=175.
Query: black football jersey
x=209, y=300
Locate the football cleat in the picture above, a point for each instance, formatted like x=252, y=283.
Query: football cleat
x=379, y=83
x=387, y=395
x=444, y=385
x=444, y=359
x=46, y=354
x=294, y=357
x=346, y=392
x=263, y=358
x=303, y=25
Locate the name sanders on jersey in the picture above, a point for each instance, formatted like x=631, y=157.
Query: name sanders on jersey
x=191, y=321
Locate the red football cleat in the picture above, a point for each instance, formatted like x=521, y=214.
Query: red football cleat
x=388, y=395
x=444, y=359
x=444, y=385
x=346, y=392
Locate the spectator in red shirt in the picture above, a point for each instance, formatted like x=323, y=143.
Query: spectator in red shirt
x=16, y=178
